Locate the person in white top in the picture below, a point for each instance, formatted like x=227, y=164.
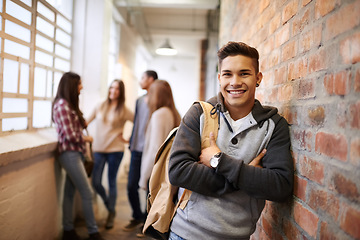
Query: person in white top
x=110, y=117
x=163, y=118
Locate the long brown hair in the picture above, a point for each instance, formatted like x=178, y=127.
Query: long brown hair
x=120, y=101
x=68, y=89
x=160, y=95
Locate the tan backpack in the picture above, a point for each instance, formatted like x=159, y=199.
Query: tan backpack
x=161, y=202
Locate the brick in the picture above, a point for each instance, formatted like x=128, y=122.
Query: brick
x=299, y=139
x=329, y=83
x=282, y=35
x=341, y=83
x=350, y=49
x=350, y=222
x=327, y=233
x=357, y=81
x=320, y=199
x=285, y=93
x=305, y=2
x=306, y=89
x=274, y=58
x=290, y=115
x=316, y=61
x=266, y=16
x=280, y=75
x=290, y=230
x=268, y=46
x=289, y=11
x=272, y=97
x=274, y=23
x=300, y=22
x=312, y=170
x=323, y=7
x=343, y=20
x=300, y=188
x=306, y=219
x=298, y=69
x=289, y=50
x=263, y=5
x=310, y=39
x=345, y=186
x=355, y=151
x=317, y=115
x=355, y=115
x=332, y=145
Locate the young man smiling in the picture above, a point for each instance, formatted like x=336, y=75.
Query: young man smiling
x=248, y=163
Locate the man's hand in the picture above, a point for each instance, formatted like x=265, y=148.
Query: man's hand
x=256, y=162
x=208, y=152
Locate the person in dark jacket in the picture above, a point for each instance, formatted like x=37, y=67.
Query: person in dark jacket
x=248, y=163
x=137, y=141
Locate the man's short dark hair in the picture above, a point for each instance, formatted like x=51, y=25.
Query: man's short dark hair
x=238, y=48
x=151, y=73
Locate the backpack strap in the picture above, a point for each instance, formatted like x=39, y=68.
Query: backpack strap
x=211, y=124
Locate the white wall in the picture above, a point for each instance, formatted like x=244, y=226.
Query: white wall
x=182, y=73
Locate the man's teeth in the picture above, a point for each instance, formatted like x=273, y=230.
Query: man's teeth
x=236, y=91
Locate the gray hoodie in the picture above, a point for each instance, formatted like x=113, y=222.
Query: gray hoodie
x=227, y=201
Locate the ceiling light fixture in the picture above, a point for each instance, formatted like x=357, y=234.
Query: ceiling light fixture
x=166, y=49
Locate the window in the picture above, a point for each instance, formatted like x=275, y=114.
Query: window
x=35, y=48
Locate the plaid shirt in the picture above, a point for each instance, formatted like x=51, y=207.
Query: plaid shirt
x=68, y=127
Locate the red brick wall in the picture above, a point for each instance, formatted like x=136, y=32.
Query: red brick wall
x=310, y=58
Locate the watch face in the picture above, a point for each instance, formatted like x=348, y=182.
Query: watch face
x=214, y=162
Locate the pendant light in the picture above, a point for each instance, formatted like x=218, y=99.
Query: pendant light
x=166, y=49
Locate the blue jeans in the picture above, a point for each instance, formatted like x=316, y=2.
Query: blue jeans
x=133, y=185
x=113, y=160
x=76, y=178
x=174, y=236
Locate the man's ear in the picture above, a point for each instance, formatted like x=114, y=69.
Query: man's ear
x=219, y=77
x=259, y=77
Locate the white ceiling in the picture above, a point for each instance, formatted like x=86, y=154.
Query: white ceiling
x=183, y=22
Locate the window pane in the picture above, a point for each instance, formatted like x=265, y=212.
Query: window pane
x=44, y=27
x=64, y=6
x=44, y=43
x=10, y=76
x=17, y=31
x=17, y=49
x=62, y=65
x=39, y=82
x=43, y=58
x=62, y=37
x=9, y=124
x=64, y=23
x=49, y=84
x=24, y=78
x=46, y=12
x=18, y=12
x=1, y=6
x=57, y=77
x=15, y=105
x=63, y=52
x=42, y=114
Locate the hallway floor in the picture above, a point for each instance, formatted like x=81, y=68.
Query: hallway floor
x=123, y=216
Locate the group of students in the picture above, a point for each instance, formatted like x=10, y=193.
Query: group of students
x=248, y=163
x=155, y=116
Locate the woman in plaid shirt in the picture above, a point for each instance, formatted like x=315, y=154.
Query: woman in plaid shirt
x=70, y=123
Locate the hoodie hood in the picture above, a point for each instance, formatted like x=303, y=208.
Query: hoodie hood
x=260, y=113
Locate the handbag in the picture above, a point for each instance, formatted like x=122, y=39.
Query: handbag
x=88, y=158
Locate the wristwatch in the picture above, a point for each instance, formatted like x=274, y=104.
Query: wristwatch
x=214, y=160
